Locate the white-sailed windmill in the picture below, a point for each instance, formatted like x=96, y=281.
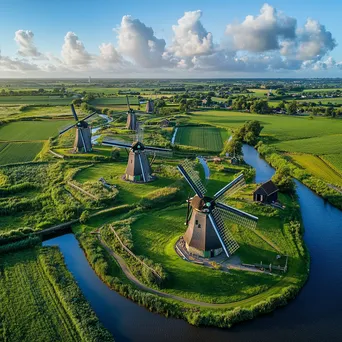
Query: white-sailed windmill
x=207, y=234
x=138, y=166
x=83, y=132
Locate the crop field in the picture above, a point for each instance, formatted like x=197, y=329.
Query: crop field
x=42, y=100
x=31, y=130
x=19, y=152
x=40, y=301
x=118, y=100
x=29, y=307
x=329, y=144
x=207, y=138
x=317, y=167
x=259, y=92
x=280, y=127
x=335, y=161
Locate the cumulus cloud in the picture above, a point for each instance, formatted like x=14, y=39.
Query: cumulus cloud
x=24, y=40
x=19, y=65
x=138, y=42
x=190, y=37
x=263, y=32
x=74, y=52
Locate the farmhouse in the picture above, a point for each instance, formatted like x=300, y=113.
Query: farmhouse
x=266, y=193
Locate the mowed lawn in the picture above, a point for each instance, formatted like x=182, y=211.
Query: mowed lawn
x=29, y=307
x=31, y=130
x=19, y=152
x=113, y=173
x=207, y=138
x=317, y=167
x=335, y=160
x=280, y=127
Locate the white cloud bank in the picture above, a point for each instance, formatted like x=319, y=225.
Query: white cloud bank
x=268, y=42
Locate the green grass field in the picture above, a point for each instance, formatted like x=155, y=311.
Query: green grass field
x=317, y=167
x=31, y=130
x=280, y=127
x=207, y=138
x=39, y=100
x=328, y=144
x=19, y=152
x=129, y=193
x=335, y=160
x=118, y=100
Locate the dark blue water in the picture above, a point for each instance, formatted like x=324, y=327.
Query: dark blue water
x=315, y=315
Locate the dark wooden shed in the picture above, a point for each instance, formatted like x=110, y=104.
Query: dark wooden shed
x=266, y=193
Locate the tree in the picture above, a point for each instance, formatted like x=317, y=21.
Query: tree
x=291, y=108
x=233, y=147
x=284, y=181
x=260, y=107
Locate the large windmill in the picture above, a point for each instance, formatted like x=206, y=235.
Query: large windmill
x=207, y=234
x=83, y=132
x=138, y=166
x=131, y=117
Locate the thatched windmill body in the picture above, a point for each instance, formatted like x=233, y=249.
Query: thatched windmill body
x=207, y=234
x=138, y=166
x=83, y=132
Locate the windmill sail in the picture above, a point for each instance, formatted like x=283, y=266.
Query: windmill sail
x=116, y=143
x=192, y=184
x=74, y=112
x=231, y=188
x=67, y=128
x=194, y=175
x=228, y=243
x=237, y=216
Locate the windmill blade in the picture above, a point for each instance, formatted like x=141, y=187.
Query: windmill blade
x=232, y=187
x=67, y=128
x=82, y=138
x=128, y=105
x=190, y=181
x=189, y=168
x=237, y=216
x=89, y=116
x=228, y=243
x=161, y=153
x=120, y=144
x=74, y=112
x=144, y=173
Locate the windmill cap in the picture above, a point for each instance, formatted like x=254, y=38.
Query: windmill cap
x=205, y=204
x=138, y=146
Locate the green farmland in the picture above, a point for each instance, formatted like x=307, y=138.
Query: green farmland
x=206, y=138
x=119, y=100
x=31, y=130
x=19, y=152
x=335, y=160
x=35, y=100
x=279, y=127
x=32, y=308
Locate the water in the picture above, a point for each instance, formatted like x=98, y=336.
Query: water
x=95, y=137
x=315, y=315
x=205, y=167
x=174, y=136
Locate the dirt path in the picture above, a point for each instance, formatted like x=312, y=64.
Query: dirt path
x=133, y=279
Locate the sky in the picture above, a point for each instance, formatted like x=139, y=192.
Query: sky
x=173, y=39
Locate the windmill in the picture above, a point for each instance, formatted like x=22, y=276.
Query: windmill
x=138, y=166
x=83, y=132
x=149, y=106
x=131, y=117
x=207, y=234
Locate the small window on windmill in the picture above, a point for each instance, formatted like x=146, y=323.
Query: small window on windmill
x=196, y=222
x=199, y=226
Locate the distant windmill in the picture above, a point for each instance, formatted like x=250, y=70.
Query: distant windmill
x=131, y=117
x=207, y=235
x=138, y=166
x=83, y=132
x=149, y=106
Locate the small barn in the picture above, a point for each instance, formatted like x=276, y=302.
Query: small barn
x=266, y=193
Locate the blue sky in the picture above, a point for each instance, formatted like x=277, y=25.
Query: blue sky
x=93, y=23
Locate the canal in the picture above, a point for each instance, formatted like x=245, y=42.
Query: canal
x=315, y=315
